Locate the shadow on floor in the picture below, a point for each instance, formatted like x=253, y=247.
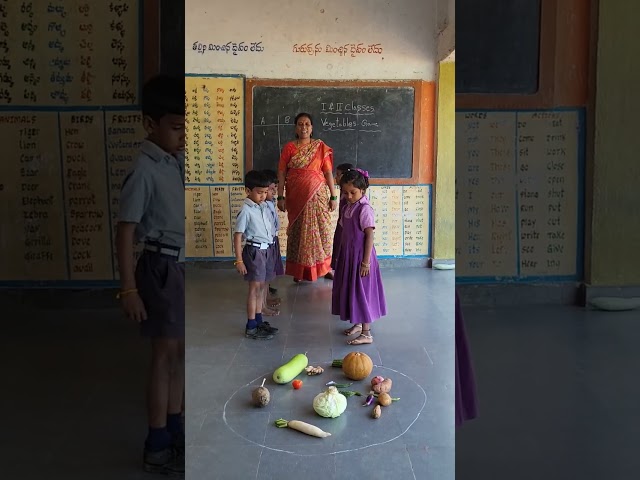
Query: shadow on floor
x=73, y=388
x=558, y=394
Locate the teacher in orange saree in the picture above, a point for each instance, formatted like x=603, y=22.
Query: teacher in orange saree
x=306, y=170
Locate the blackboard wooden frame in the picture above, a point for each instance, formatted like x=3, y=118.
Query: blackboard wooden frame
x=150, y=39
x=564, y=59
x=423, y=121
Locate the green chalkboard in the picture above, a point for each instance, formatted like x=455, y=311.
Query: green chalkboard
x=371, y=127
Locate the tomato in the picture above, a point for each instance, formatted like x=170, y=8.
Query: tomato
x=297, y=384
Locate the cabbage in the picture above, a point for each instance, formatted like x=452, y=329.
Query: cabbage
x=330, y=403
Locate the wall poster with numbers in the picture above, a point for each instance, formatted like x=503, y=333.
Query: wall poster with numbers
x=70, y=79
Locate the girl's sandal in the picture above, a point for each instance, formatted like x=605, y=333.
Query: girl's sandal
x=353, y=330
x=270, y=312
x=358, y=340
x=273, y=302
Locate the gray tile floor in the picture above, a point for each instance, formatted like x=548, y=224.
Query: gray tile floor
x=73, y=388
x=414, y=438
x=558, y=395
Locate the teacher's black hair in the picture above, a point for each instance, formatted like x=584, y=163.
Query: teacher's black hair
x=355, y=178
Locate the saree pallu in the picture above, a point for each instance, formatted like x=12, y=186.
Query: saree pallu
x=309, y=234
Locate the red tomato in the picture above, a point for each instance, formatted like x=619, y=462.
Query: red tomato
x=297, y=384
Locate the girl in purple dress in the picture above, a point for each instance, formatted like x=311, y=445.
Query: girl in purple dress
x=465, y=391
x=358, y=295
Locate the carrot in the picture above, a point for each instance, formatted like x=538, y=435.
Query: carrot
x=302, y=427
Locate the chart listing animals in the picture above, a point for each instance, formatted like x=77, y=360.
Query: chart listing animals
x=69, y=83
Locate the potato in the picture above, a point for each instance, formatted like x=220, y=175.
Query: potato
x=377, y=411
x=384, y=399
x=383, y=387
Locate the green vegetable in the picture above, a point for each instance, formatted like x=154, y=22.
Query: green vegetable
x=291, y=369
x=350, y=393
x=337, y=363
x=392, y=399
x=330, y=403
x=338, y=385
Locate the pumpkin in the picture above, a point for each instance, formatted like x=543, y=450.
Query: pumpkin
x=357, y=365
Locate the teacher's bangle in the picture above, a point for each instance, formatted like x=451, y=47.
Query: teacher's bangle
x=280, y=197
x=237, y=262
x=365, y=265
x=333, y=197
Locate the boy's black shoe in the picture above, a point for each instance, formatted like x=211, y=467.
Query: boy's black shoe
x=266, y=326
x=167, y=462
x=178, y=442
x=272, y=290
x=257, y=334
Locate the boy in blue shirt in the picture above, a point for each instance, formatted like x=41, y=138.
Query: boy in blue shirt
x=271, y=301
x=255, y=261
x=152, y=291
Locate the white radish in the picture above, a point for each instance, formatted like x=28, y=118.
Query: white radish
x=308, y=429
x=303, y=427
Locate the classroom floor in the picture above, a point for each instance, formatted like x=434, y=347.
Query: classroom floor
x=414, y=438
x=74, y=373
x=558, y=395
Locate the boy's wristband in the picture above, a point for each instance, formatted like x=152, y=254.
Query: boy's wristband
x=333, y=197
x=280, y=197
x=126, y=292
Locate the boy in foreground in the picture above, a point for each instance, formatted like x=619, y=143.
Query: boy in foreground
x=152, y=292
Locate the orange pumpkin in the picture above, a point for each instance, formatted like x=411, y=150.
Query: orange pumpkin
x=357, y=365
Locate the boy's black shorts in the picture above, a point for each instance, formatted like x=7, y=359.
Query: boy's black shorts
x=160, y=280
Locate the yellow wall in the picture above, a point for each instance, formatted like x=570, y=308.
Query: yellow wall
x=444, y=225
x=615, y=225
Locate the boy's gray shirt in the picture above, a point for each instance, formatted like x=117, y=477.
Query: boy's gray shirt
x=254, y=221
x=152, y=196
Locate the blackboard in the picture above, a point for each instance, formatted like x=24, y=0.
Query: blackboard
x=371, y=127
x=172, y=37
x=497, y=46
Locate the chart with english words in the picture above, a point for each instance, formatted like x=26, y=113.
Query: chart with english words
x=518, y=194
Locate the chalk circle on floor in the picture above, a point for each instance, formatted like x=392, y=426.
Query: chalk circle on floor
x=379, y=432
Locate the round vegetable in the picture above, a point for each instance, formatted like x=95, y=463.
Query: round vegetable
x=261, y=396
x=297, y=384
x=357, y=365
x=376, y=380
x=291, y=369
x=330, y=403
x=384, y=399
x=383, y=387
